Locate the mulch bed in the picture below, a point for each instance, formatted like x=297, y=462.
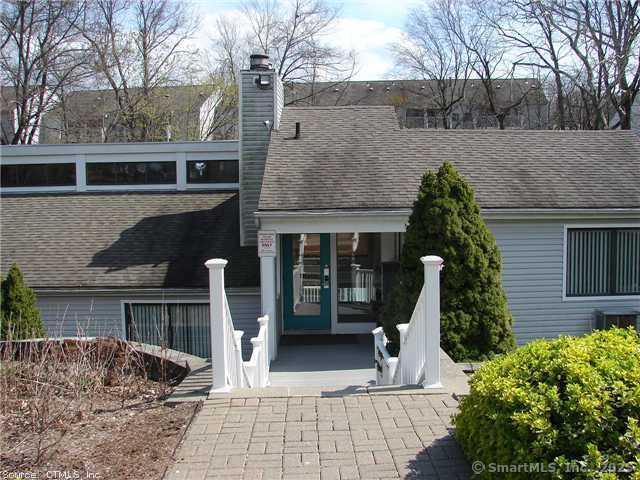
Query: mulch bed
x=121, y=430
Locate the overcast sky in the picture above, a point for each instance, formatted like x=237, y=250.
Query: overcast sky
x=366, y=26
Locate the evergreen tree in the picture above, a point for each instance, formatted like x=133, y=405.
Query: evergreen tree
x=19, y=314
x=446, y=221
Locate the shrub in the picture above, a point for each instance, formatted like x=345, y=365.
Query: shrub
x=570, y=401
x=446, y=221
x=19, y=316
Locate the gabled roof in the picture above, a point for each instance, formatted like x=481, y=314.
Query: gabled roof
x=359, y=158
x=124, y=240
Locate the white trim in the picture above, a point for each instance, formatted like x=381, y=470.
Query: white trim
x=111, y=148
x=35, y=161
x=181, y=170
x=568, y=226
x=37, y=189
x=212, y=186
x=395, y=220
x=335, y=223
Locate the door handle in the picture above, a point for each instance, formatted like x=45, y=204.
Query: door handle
x=326, y=277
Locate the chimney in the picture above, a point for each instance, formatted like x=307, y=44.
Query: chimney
x=261, y=104
x=259, y=61
x=297, y=130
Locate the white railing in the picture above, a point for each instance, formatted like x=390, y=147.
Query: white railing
x=257, y=367
x=311, y=294
x=419, y=358
x=384, y=363
x=229, y=370
x=412, y=346
x=235, y=373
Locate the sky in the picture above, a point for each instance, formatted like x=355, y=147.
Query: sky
x=365, y=26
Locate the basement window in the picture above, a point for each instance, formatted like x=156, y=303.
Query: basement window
x=38, y=175
x=131, y=173
x=212, y=171
x=178, y=326
x=602, y=262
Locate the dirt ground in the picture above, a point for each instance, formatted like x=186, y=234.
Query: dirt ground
x=134, y=442
x=83, y=410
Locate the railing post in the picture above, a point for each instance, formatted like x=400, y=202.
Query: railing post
x=258, y=373
x=237, y=370
x=218, y=320
x=378, y=334
x=431, y=312
x=267, y=251
x=264, y=322
x=407, y=362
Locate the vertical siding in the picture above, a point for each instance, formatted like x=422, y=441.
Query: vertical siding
x=532, y=271
x=257, y=106
x=101, y=314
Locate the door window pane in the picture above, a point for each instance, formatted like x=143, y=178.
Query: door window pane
x=307, y=284
x=358, y=276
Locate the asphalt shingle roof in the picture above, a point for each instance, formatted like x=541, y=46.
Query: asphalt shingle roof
x=122, y=240
x=359, y=158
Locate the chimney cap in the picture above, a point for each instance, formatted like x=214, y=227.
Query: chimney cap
x=259, y=61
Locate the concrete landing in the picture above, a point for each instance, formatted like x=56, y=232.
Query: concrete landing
x=320, y=360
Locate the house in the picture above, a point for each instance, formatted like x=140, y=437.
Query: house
x=309, y=208
x=176, y=113
x=419, y=103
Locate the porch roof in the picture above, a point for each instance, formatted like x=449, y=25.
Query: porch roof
x=350, y=158
x=124, y=240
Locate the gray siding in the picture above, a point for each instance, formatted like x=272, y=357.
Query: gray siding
x=532, y=272
x=256, y=107
x=101, y=314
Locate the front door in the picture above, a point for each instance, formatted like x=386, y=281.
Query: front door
x=306, y=260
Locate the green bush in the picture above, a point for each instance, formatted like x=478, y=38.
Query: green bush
x=446, y=221
x=571, y=402
x=19, y=314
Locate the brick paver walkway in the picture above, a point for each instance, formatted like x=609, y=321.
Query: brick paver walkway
x=350, y=437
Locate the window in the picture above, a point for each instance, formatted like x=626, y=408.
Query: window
x=415, y=118
x=38, y=175
x=131, y=173
x=212, y=171
x=602, y=262
x=179, y=326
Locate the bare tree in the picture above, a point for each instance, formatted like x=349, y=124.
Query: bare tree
x=432, y=52
x=40, y=54
x=466, y=19
x=139, y=46
x=527, y=25
x=293, y=35
x=605, y=40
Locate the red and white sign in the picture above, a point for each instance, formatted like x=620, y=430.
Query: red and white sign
x=266, y=244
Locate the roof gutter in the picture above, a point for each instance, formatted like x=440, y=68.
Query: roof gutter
x=489, y=213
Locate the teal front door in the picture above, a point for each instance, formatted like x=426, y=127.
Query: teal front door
x=306, y=281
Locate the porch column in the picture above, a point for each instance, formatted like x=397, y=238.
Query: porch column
x=431, y=311
x=267, y=252
x=218, y=320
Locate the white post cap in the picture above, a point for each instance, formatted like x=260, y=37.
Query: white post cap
x=216, y=263
x=432, y=260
